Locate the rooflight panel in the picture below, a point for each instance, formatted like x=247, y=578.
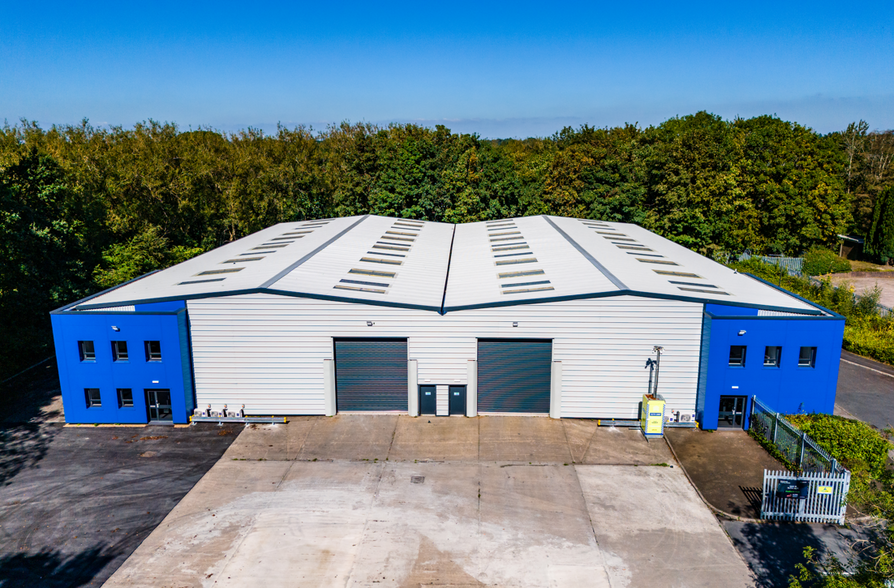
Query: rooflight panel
x=360, y=289
x=677, y=274
x=186, y=283
x=259, y=252
x=509, y=247
x=505, y=233
x=613, y=239
x=243, y=259
x=661, y=261
x=406, y=234
x=639, y=252
x=505, y=275
x=365, y=283
x=515, y=261
x=494, y=239
x=718, y=292
x=220, y=271
x=522, y=284
x=366, y=272
x=375, y=260
x=380, y=245
x=289, y=239
x=692, y=284
x=386, y=253
x=525, y=290
x=270, y=246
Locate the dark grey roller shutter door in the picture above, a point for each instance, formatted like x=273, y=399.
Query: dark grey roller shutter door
x=514, y=375
x=371, y=374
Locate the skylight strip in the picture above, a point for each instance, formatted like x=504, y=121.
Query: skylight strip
x=506, y=225
x=387, y=261
x=201, y=281
x=692, y=284
x=506, y=239
x=510, y=247
x=384, y=253
x=391, y=247
x=398, y=238
x=636, y=247
x=613, y=239
x=720, y=292
x=505, y=233
x=639, y=252
x=362, y=283
x=513, y=254
x=402, y=233
x=280, y=243
x=259, y=252
x=520, y=284
x=243, y=259
x=523, y=290
x=612, y=234
x=539, y=272
x=515, y=261
x=289, y=239
x=220, y=271
x=359, y=289
x=661, y=261
x=367, y=272
x=678, y=274
x=298, y=233
x=270, y=246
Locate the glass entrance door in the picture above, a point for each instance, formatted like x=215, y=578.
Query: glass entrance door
x=158, y=405
x=732, y=412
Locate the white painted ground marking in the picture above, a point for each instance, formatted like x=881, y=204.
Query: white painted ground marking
x=868, y=368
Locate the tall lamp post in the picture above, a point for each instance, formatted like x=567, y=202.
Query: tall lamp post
x=657, y=349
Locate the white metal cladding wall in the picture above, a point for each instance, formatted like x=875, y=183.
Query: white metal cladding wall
x=267, y=351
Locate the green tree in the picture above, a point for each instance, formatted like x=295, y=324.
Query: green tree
x=880, y=240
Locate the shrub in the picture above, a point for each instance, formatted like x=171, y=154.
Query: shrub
x=820, y=261
x=871, y=337
x=855, y=444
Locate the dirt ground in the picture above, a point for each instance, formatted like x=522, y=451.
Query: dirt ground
x=861, y=285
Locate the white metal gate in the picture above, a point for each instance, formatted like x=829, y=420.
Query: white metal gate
x=823, y=496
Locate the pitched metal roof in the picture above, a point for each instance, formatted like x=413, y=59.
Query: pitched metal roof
x=445, y=267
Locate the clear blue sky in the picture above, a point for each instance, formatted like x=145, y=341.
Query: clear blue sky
x=501, y=70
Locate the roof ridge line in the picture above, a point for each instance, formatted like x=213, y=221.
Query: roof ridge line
x=612, y=278
x=447, y=273
x=292, y=267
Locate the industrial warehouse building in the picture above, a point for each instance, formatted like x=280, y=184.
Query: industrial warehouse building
x=537, y=315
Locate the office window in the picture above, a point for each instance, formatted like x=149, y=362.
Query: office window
x=86, y=351
x=737, y=355
x=772, y=356
x=93, y=397
x=119, y=351
x=807, y=357
x=125, y=398
x=153, y=350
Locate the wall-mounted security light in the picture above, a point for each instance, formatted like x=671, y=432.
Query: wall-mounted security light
x=116, y=329
x=742, y=332
x=369, y=323
x=514, y=324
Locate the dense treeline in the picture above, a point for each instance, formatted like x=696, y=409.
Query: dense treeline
x=83, y=208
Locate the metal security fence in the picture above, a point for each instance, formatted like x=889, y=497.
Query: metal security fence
x=797, y=447
x=807, y=497
x=792, y=265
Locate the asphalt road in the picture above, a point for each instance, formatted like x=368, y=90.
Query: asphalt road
x=76, y=501
x=865, y=391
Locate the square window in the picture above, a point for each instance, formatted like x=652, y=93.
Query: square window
x=807, y=357
x=86, y=351
x=153, y=350
x=772, y=356
x=125, y=398
x=93, y=397
x=737, y=355
x=119, y=351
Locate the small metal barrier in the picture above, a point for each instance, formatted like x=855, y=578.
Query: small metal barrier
x=807, y=497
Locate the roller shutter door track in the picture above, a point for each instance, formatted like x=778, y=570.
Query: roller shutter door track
x=514, y=375
x=371, y=374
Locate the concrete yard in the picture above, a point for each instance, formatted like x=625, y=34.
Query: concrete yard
x=399, y=501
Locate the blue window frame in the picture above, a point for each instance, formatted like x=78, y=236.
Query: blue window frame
x=125, y=398
x=94, y=399
x=119, y=351
x=807, y=357
x=737, y=355
x=772, y=356
x=153, y=350
x=86, y=351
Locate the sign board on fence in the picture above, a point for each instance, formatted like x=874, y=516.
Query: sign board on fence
x=823, y=489
x=792, y=489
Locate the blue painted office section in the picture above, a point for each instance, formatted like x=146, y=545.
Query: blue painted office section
x=787, y=387
x=165, y=323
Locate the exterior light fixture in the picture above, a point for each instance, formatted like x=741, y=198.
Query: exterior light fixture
x=116, y=329
x=369, y=323
x=742, y=332
x=514, y=324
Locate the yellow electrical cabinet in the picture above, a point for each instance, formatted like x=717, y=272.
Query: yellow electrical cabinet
x=652, y=419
